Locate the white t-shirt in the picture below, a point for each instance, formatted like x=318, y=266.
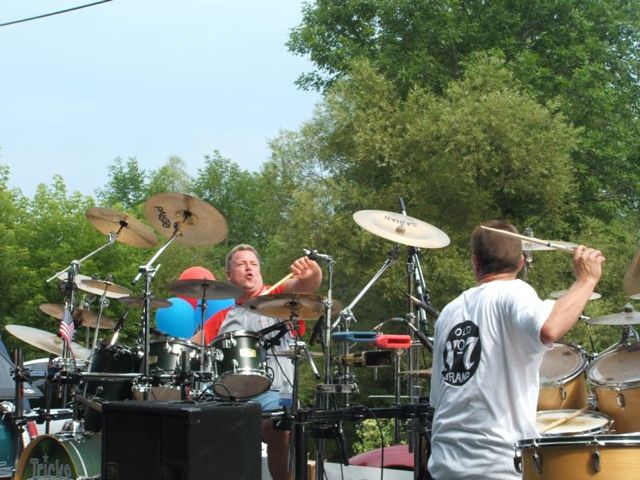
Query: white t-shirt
x=484, y=386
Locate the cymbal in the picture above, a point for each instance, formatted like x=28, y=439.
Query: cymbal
x=561, y=293
x=401, y=229
x=531, y=246
x=204, y=288
x=46, y=341
x=77, y=278
x=132, y=301
x=421, y=373
x=622, y=318
x=128, y=229
x=104, y=287
x=307, y=306
x=631, y=280
x=85, y=317
x=198, y=222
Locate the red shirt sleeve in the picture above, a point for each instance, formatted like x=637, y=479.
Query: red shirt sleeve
x=212, y=326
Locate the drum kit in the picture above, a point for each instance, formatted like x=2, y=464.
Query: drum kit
x=234, y=365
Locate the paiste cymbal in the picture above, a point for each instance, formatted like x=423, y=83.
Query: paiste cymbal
x=622, y=318
x=128, y=229
x=139, y=301
x=561, y=293
x=198, y=222
x=307, y=306
x=85, y=317
x=104, y=287
x=46, y=341
x=205, y=288
x=401, y=229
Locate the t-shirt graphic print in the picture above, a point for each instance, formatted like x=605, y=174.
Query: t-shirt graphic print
x=461, y=353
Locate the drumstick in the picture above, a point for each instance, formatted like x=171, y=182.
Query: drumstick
x=555, y=246
x=562, y=420
x=277, y=284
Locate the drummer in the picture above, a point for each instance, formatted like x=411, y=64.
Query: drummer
x=488, y=346
x=243, y=269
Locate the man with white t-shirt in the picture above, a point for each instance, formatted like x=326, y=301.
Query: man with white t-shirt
x=488, y=346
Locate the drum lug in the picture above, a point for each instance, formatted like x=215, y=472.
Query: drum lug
x=620, y=398
x=236, y=364
x=517, y=462
x=229, y=342
x=595, y=459
x=563, y=392
x=537, y=461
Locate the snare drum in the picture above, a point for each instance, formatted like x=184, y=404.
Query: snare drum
x=587, y=423
x=605, y=457
x=61, y=456
x=615, y=379
x=562, y=378
x=242, y=369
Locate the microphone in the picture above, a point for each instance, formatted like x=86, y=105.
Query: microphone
x=314, y=255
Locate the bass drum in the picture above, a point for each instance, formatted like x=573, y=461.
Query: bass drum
x=615, y=379
x=61, y=456
x=605, y=457
x=563, y=382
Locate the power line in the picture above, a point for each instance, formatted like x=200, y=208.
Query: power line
x=53, y=13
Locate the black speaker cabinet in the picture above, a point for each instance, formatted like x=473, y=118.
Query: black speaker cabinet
x=180, y=441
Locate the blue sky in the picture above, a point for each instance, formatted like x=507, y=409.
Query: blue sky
x=145, y=79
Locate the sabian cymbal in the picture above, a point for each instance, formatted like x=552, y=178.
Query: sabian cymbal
x=531, y=246
x=85, y=317
x=204, y=289
x=139, y=301
x=401, y=229
x=198, y=223
x=307, y=306
x=420, y=373
x=46, y=341
x=622, y=318
x=561, y=293
x=128, y=229
x=104, y=287
x=631, y=280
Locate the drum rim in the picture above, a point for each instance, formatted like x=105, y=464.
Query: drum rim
x=611, y=384
x=602, y=429
x=237, y=333
x=590, y=440
x=573, y=374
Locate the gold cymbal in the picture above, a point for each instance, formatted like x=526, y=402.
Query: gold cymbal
x=561, y=293
x=204, y=288
x=80, y=315
x=132, y=301
x=401, y=229
x=631, y=281
x=531, y=246
x=128, y=230
x=46, y=341
x=623, y=318
x=307, y=306
x=104, y=287
x=198, y=222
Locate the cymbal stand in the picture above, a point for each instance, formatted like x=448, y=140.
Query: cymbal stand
x=148, y=271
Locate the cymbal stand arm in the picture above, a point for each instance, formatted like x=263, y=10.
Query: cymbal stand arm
x=75, y=264
x=393, y=254
x=103, y=303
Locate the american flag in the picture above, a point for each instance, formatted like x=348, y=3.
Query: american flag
x=67, y=327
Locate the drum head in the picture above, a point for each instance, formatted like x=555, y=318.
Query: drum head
x=618, y=367
x=562, y=363
x=583, y=424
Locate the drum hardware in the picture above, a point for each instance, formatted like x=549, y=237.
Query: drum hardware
x=183, y=219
